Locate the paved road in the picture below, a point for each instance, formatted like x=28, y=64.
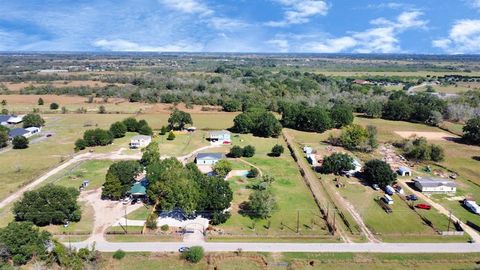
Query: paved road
x=288, y=247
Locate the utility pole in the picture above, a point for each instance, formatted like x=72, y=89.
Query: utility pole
x=449, y=220
x=298, y=220
x=126, y=225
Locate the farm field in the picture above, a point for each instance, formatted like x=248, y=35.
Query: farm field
x=420, y=73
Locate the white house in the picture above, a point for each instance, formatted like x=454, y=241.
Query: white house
x=221, y=136
x=208, y=158
x=435, y=185
x=33, y=130
x=140, y=141
x=307, y=150
x=25, y=132
x=15, y=119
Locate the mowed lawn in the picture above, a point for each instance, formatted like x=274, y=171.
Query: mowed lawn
x=403, y=223
x=19, y=167
x=292, y=195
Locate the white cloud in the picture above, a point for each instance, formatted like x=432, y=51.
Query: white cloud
x=475, y=3
x=382, y=38
x=122, y=45
x=464, y=37
x=224, y=23
x=299, y=12
x=280, y=44
x=390, y=5
x=188, y=6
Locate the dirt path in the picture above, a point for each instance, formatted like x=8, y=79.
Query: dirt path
x=106, y=212
x=473, y=233
x=319, y=192
x=314, y=185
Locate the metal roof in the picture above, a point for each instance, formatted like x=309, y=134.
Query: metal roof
x=141, y=137
x=219, y=132
x=214, y=156
x=4, y=118
x=404, y=169
x=17, y=132
x=138, y=188
x=435, y=182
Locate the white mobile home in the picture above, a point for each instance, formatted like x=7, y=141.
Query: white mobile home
x=140, y=141
x=435, y=185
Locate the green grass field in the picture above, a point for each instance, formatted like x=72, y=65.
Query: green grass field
x=291, y=193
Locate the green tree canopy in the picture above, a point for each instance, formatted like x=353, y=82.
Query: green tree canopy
x=337, y=163
x=20, y=142
x=178, y=119
x=342, y=115
x=22, y=241
x=222, y=168
x=98, y=137
x=379, y=172
x=471, y=131
x=119, y=179
x=118, y=129
x=277, y=150
x=49, y=204
x=151, y=154
x=261, y=204
x=33, y=120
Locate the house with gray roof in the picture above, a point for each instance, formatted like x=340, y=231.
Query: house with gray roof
x=18, y=132
x=208, y=158
x=222, y=136
x=435, y=185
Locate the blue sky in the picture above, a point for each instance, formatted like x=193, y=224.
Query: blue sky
x=314, y=26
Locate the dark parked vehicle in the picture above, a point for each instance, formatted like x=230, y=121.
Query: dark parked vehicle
x=183, y=249
x=411, y=197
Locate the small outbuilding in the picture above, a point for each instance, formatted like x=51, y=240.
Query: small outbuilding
x=140, y=141
x=222, y=136
x=404, y=171
x=15, y=119
x=208, y=158
x=307, y=150
x=435, y=185
x=138, y=190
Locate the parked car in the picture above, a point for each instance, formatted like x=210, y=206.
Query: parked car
x=49, y=135
x=126, y=200
x=423, y=206
x=411, y=197
x=134, y=201
x=387, y=199
x=376, y=187
x=183, y=249
x=66, y=224
x=389, y=190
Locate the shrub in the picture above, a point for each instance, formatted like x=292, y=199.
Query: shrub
x=20, y=142
x=471, y=131
x=248, y=151
x=54, y=106
x=194, y=254
x=171, y=136
x=102, y=110
x=98, y=137
x=163, y=130
x=222, y=168
x=151, y=222
x=277, y=150
x=33, y=120
x=80, y=144
x=118, y=129
x=119, y=254
x=40, y=102
x=236, y=152
x=164, y=227
x=253, y=172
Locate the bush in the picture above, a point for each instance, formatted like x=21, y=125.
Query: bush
x=102, y=110
x=248, y=151
x=98, y=137
x=151, y=222
x=119, y=254
x=54, y=106
x=194, y=254
x=253, y=172
x=163, y=130
x=164, y=227
x=171, y=136
x=219, y=217
x=33, y=120
x=20, y=142
x=222, y=168
x=80, y=144
x=40, y=102
x=118, y=129
x=236, y=152
x=277, y=150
